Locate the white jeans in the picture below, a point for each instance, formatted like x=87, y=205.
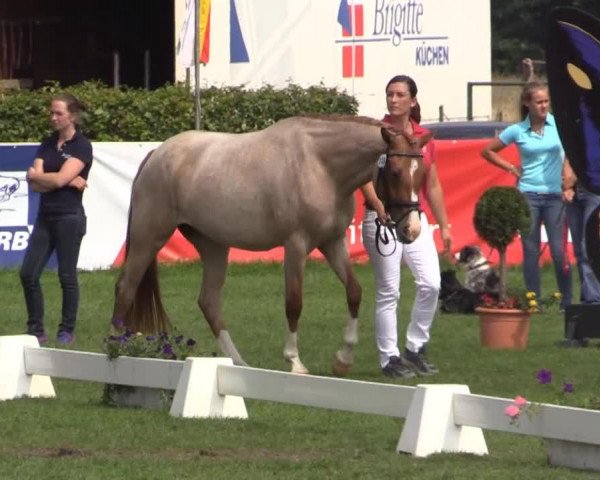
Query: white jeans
x=422, y=259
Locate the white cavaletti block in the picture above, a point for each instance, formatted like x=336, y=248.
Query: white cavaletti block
x=430, y=426
x=573, y=454
x=14, y=380
x=197, y=393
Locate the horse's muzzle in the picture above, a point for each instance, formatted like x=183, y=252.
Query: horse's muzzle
x=406, y=232
x=402, y=235
x=402, y=238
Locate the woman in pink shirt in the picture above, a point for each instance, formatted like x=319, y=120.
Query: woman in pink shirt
x=420, y=256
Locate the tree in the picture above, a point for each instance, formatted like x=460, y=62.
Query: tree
x=500, y=214
x=518, y=29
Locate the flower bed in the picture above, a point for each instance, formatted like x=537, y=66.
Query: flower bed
x=130, y=344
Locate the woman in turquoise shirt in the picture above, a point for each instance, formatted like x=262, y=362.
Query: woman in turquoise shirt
x=539, y=178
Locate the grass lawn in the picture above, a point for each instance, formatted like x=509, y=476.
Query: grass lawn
x=75, y=436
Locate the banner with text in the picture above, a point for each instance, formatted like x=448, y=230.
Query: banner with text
x=463, y=173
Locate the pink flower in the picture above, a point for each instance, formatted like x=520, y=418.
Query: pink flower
x=520, y=401
x=512, y=411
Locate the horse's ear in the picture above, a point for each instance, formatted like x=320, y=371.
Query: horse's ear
x=424, y=139
x=387, y=130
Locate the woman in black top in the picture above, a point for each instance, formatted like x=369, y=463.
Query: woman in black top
x=59, y=172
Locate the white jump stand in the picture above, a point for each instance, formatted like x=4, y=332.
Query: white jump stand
x=197, y=393
x=14, y=380
x=429, y=427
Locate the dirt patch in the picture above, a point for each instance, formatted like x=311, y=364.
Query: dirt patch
x=41, y=452
x=164, y=454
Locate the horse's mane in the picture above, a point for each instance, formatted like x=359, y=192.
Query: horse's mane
x=358, y=119
x=346, y=118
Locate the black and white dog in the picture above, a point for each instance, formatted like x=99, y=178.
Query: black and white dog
x=454, y=298
x=479, y=276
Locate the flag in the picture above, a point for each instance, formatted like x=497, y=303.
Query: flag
x=238, y=53
x=185, y=45
x=204, y=34
x=343, y=17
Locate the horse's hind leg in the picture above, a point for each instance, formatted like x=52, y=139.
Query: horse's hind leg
x=336, y=253
x=149, y=229
x=214, y=262
x=294, y=263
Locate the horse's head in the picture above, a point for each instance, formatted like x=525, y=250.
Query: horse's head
x=401, y=181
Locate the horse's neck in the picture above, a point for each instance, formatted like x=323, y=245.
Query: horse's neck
x=351, y=155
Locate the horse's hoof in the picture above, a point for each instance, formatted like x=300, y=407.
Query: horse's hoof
x=302, y=370
x=339, y=368
x=118, y=324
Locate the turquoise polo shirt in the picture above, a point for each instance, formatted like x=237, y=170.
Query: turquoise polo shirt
x=541, y=155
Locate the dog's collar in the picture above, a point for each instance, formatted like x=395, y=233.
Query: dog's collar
x=485, y=262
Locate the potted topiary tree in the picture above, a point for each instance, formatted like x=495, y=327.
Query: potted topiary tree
x=500, y=214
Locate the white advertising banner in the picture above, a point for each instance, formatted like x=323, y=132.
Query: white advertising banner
x=355, y=45
x=106, y=200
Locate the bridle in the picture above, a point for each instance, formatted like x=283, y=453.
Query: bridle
x=411, y=206
x=391, y=225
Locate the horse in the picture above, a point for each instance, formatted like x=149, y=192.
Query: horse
x=289, y=185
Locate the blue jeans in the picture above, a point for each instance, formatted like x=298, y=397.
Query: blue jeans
x=549, y=209
x=578, y=213
x=64, y=234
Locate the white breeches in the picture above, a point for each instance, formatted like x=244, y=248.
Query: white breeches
x=422, y=259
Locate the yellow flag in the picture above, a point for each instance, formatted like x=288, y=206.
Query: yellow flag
x=204, y=34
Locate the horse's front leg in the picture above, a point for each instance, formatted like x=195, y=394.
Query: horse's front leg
x=214, y=260
x=294, y=264
x=336, y=253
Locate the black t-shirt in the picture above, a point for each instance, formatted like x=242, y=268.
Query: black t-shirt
x=67, y=199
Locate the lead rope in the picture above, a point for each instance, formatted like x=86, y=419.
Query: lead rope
x=381, y=235
x=381, y=231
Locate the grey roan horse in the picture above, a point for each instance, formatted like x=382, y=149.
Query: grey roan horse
x=291, y=184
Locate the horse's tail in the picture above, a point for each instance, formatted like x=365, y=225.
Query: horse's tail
x=146, y=313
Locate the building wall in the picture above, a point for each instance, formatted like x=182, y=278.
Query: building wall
x=70, y=42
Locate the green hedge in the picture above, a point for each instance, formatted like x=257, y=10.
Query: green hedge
x=127, y=114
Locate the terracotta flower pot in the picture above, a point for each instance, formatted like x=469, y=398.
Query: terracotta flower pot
x=503, y=329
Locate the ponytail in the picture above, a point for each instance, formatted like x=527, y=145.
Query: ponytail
x=415, y=113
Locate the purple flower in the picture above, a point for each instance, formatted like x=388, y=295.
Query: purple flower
x=129, y=333
x=544, y=376
x=122, y=339
x=568, y=387
x=178, y=339
x=167, y=349
x=191, y=342
x=150, y=338
x=117, y=323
